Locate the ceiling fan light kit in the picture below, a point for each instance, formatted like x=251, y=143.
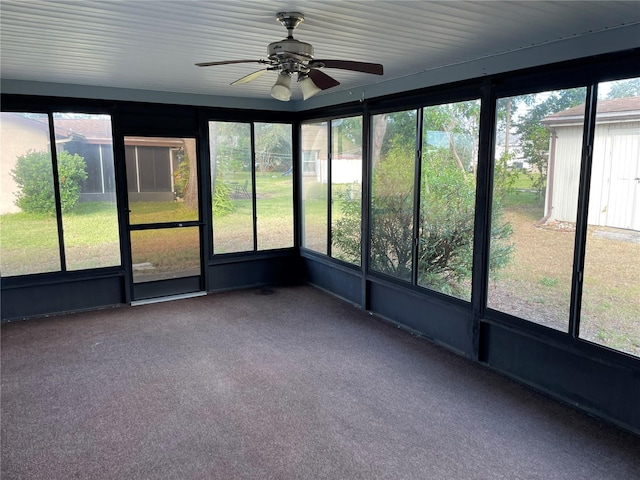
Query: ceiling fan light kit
x=282, y=89
x=308, y=88
x=291, y=56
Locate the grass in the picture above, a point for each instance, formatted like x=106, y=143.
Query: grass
x=30, y=241
x=548, y=282
x=233, y=232
x=535, y=285
x=524, y=181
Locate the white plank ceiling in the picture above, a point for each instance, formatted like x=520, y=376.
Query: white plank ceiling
x=153, y=45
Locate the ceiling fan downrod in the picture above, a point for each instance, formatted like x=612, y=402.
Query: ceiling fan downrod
x=290, y=50
x=290, y=20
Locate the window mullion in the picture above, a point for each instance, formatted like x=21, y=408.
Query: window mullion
x=583, y=207
x=329, y=185
x=416, y=197
x=252, y=141
x=56, y=192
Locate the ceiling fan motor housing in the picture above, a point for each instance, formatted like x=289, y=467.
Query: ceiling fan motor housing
x=290, y=56
x=280, y=49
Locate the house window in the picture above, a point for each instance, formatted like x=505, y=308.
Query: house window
x=274, y=185
x=89, y=217
x=610, y=309
x=315, y=216
x=346, y=189
x=232, y=186
x=332, y=188
x=392, y=192
x=534, y=209
x=98, y=157
x=154, y=169
x=252, y=186
x=309, y=162
x=84, y=206
x=423, y=190
x=28, y=225
x=447, y=197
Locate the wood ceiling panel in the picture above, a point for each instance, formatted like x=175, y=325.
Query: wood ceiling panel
x=153, y=45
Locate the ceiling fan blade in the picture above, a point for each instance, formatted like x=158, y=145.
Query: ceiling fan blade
x=374, y=68
x=322, y=80
x=251, y=76
x=229, y=62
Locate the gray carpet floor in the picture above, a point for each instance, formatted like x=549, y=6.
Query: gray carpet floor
x=292, y=385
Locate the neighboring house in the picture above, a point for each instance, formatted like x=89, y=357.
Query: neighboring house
x=91, y=138
x=346, y=167
x=18, y=135
x=517, y=160
x=314, y=150
x=615, y=175
x=150, y=161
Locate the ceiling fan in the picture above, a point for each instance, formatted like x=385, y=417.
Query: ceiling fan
x=291, y=56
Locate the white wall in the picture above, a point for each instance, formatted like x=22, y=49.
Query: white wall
x=615, y=193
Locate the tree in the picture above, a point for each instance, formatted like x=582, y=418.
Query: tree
x=185, y=176
x=535, y=136
x=230, y=152
x=447, y=201
x=191, y=190
x=34, y=176
x=273, y=147
x=625, y=88
x=392, y=211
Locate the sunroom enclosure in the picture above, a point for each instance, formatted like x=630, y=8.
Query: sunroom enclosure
x=433, y=209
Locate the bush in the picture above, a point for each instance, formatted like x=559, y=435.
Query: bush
x=222, y=203
x=34, y=177
x=446, y=223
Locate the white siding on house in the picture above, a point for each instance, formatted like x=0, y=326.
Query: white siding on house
x=343, y=170
x=314, y=139
x=615, y=191
x=566, y=174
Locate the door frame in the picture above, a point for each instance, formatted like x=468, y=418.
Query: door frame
x=156, y=290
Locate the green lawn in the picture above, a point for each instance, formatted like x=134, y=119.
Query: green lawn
x=533, y=279
x=30, y=241
x=522, y=193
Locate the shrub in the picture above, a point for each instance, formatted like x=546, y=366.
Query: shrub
x=222, y=203
x=34, y=177
x=446, y=223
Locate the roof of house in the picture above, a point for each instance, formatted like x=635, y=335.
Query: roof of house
x=93, y=130
x=96, y=130
x=616, y=109
x=33, y=121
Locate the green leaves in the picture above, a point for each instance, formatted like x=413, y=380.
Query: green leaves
x=222, y=203
x=33, y=174
x=445, y=227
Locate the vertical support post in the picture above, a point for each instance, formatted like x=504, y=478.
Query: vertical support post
x=482, y=222
x=365, y=202
x=417, y=174
x=252, y=142
x=122, y=198
x=329, y=177
x=583, y=209
x=56, y=192
x=296, y=172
